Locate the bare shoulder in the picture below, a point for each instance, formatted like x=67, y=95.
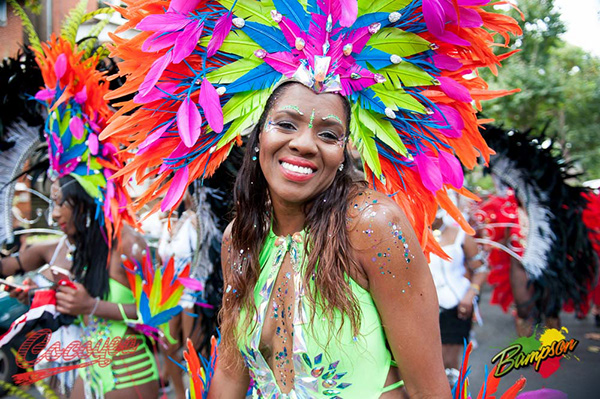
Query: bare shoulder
x=132, y=243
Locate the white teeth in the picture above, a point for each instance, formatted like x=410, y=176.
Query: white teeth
x=295, y=168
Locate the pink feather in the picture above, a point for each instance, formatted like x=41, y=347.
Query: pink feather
x=93, y=144
x=76, y=127
x=191, y=283
x=81, y=95
x=156, y=135
x=452, y=172
x=60, y=67
x=189, y=122
x=454, y=119
x=155, y=72
x=45, y=94
x=429, y=172
x=155, y=93
x=186, y=42
x=163, y=22
x=283, y=62
x=452, y=38
x=443, y=61
x=176, y=189
x=220, y=32
x=182, y=6
x=359, y=39
x=159, y=40
x=348, y=12
x=435, y=16
x=291, y=31
x=210, y=103
x=470, y=18
x=454, y=90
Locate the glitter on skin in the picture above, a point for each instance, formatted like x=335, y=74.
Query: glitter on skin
x=312, y=118
x=332, y=116
x=295, y=108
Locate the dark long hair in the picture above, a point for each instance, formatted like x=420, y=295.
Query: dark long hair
x=327, y=240
x=90, y=260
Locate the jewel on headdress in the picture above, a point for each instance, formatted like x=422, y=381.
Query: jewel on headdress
x=355, y=76
x=433, y=46
x=238, y=22
x=260, y=53
x=379, y=78
x=390, y=113
x=197, y=82
x=329, y=25
x=394, y=16
x=326, y=47
x=435, y=82
x=333, y=84
x=395, y=59
x=221, y=90
x=304, y=76
x=212, y=149
x=429, y=111
x=300, y=43
x=321, y=67
x=276, y=16
x=374, y=27
x=347, y=49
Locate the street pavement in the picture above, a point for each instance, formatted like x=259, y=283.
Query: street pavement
x=578, y=376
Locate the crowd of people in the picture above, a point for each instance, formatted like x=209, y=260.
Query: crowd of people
x=320, y=282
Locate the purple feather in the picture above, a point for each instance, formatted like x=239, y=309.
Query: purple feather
x=163, y=22
x=182, y=6
x=76, y=127
x=454, y=90
x=452, y=172
x=452, y=38
x=220, y=32
x=191, y=283
x=155, y=72
x=156, y=93
x=210, y=103
x=429, y=172
x=176, y=189
x=348, y=12
x=435, y=16
x=159, y=40
x=186, y=42
x=283, y=62
x=189, y=122
x=470, y=18
x=93, y=144
x=454, y=121
x=156, y=135
x=443, y=61
x=45, y=95
x=81, y=95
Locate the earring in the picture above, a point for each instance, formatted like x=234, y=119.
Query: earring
x=88, y=222
x=256, y=150
x=341, y=167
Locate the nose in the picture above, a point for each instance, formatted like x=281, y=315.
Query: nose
x=55, y=212
x=304, y=142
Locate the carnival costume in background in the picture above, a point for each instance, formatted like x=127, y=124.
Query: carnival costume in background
x=558, y=253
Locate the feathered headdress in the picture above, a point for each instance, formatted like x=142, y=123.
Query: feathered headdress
x=77, y=112
x=559, y=256
x=203, y=69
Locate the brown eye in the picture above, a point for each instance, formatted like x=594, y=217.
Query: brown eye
x=286, y=125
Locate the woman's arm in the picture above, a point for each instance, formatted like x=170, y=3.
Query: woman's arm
x=475, y=262
x=230, y=380
x=30, y=258
x=402, y=288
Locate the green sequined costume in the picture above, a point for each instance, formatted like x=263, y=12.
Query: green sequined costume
x=345, y=367
x=101, y=379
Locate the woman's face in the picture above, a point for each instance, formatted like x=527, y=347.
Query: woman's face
x=62, y=212
x=302, y=143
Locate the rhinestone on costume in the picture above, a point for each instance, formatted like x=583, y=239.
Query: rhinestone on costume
x=329, y=25
x=276, y=16
x=435, y=82
x=197, y=82
x=390, y=113
x=212, y=149
x=221, y=90
x=326, y=47
x=395, y=59
x=379, y=78
x=238, y=22
x=300, y=43
x=317, y=371
x=329, y=383
x=347, y=49
x=355, y=76
x=321, y=67
x=433, y=46
x=297, y=237
x=330, y=392
x=279, y=241
x=394, y=16
x=260, y=53
x=374, y=27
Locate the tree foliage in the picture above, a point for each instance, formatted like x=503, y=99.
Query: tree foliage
x=560, y=87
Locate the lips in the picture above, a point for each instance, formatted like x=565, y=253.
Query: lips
x=297, y=169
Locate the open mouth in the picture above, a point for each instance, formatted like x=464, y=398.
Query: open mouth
x=303, y=170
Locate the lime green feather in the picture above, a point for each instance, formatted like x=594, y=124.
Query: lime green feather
x=92, y=39
x=405, y=74
x=70, y=26
x=99, y=11
x=233, y=71
x=34, y=40
x=382, y=128
x=236, y=42
x=398, y=98
x=367, y=7
x=399, y=42
x=155, y=292
x=364, y=142
x=243, y=109
x=258, y=11
x=90, y=183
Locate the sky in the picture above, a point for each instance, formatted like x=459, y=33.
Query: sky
x=582, y=19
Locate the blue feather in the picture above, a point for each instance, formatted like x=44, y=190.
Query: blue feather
x=294, y=11
x=368, y=19
x=313, y=7
x=145, y=308
x=376, y=58
x=164, y=316
x=269, y=38
x=369, y=100
x=261, y=77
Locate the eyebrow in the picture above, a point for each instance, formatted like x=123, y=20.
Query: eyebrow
x=294, y=107
x=332, y=116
